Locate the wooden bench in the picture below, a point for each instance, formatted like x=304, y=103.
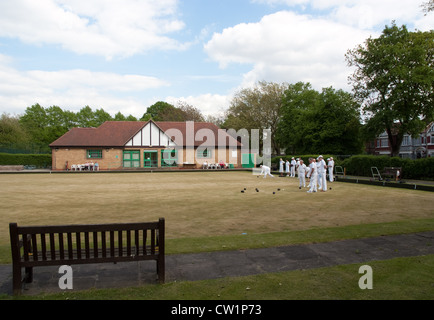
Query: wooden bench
x=392, y=172
x=34, y=246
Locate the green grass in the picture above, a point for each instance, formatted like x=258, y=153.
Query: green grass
x=274, y=239
x=395, y=279
x=206, y=212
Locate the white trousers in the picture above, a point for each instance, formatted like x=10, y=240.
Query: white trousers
x=322, y=181
x=313, y=183
x=302, y=180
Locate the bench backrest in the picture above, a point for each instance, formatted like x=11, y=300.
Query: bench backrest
x=71, y=244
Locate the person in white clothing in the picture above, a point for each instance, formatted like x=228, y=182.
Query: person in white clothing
x=293, y=163
x=265, y=170
x=322, y=179
x=281, y=163
x=287, y=168
x=313, y=175
x=301, y=174
x=330, y=166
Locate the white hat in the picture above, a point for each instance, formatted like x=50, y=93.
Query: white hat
x=319, y=156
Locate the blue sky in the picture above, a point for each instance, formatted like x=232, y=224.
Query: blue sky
x=125, y=55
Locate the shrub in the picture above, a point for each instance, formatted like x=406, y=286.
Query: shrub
x=422, y=169
x=37, y=160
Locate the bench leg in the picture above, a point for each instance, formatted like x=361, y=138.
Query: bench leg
x=16, y=280
x=29, y=275
x=161, y=270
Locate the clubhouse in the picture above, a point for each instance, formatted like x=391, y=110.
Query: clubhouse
x=128, y=145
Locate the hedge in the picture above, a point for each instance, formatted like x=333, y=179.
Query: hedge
x=37, y=160
x=420, y=169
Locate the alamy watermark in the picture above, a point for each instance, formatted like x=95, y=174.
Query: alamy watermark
x=366, y=281
x=254, y=141
x=65, y=281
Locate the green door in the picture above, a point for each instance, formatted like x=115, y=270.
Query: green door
x=150, y=159
x=248, y=160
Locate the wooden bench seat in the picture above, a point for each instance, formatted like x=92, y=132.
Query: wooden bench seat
x=392, y=172
x=34, y=246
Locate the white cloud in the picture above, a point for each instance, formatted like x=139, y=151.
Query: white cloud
x=116, y=28
x=287, y=47
x=306, y=45
x=364, y=14
x=73, y=89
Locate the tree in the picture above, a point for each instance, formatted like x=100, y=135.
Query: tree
x=191, y=113
x=393, y=80
x=294, y=132
x=11, y=131
x=163, y=111
x=428, y=6
x=156, y=111
x=34, y=121
x=314, y=122
x=257, y=108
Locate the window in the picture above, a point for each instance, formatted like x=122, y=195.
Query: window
x=169, y=158
x=94, y=154
x=131, y=159
x=204, y=153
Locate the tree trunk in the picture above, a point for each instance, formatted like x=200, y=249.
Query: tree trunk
x=395, y=141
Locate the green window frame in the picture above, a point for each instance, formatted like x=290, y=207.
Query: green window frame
x=204, y=153
x=94, y=154
x=131, y=159
x=169, y=158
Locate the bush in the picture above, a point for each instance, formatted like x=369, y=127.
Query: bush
x=422, y=169
x=37, y=160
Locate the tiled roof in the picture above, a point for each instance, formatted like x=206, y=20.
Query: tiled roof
x=118, y=133
x=202, y=131
x=109, y=134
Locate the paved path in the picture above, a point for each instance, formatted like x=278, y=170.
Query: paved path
x=200, y=266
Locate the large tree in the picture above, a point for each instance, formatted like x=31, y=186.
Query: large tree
x=393, y=79
x=163, y=111
x=257, y=108
x=319, y=122
x=11, y=132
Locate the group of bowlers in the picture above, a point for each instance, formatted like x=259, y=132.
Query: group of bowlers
x=315, y=171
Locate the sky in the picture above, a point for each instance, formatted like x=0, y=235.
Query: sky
x=125, y=55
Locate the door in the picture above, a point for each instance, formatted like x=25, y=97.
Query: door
x=150, y=159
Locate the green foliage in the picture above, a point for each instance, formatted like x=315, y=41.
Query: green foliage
x=257, y=108
x=163, y=111
x=313, y=122
x=360, y=165
x=393, y=80
x=39, y=126
x=11, y=132
x=422, y=169
x=37, y=160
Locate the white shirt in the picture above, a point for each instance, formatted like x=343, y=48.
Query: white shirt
x=301, y=170
x=321, y=166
